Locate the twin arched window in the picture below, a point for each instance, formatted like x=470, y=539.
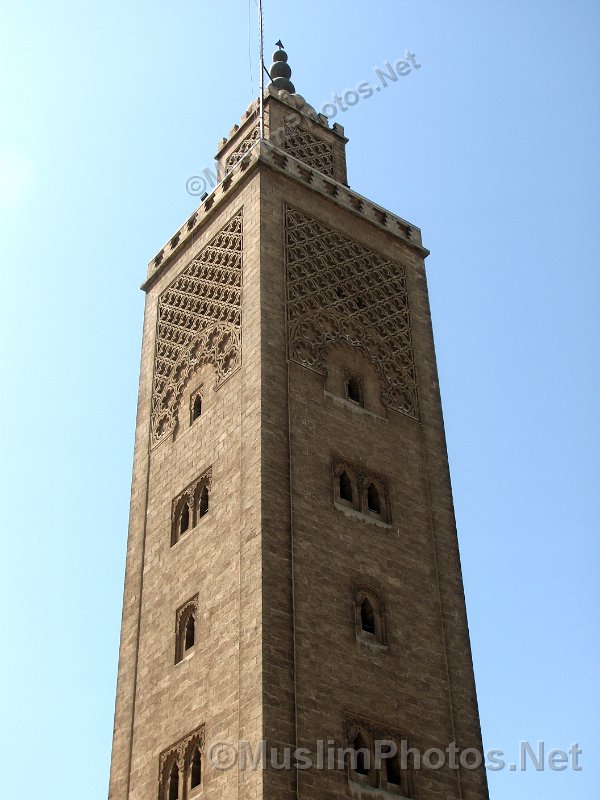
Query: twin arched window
x=389, y=773
x=182, y=771
x=357, y=488
x=190, y=507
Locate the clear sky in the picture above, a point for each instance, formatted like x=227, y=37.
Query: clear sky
x=491, y=147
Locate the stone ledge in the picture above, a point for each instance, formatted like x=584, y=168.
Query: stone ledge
x=263, y=152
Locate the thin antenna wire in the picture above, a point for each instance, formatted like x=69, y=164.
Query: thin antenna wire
x=261, y=99
x=250, y=48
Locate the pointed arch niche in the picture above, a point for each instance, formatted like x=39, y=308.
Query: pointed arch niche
x=353, y=380
x=369, y=615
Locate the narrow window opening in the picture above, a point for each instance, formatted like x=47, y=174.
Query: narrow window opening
x=190, y=633
x=196, y=769
x=197, y=408
x=373, y=500
x=173, y=792
x=362, y=754
x=354, y=390
x=346, y=487
x=367, y=616
x=184, y=522
x=203, y=504
x=392, y=767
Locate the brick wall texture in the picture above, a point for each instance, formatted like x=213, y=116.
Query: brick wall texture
x=275, y=561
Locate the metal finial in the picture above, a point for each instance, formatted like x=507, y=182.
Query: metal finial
x=280, y=71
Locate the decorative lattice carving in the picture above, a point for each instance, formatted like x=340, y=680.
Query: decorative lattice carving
x=341, y=291
x=242, y=148
x=179, y=753
x=199, y=321
x=307, y=147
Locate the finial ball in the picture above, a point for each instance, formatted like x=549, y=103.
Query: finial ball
x=280, y=70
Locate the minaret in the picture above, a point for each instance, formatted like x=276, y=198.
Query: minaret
x=293, y=572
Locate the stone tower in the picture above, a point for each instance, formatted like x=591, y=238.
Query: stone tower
x=292, y=572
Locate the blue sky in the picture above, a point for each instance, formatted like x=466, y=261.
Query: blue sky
x=491, y=147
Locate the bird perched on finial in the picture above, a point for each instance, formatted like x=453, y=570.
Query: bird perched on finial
x=280, y=71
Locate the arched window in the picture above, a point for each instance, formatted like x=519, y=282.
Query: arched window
x=392, y=769
x=196, y=768
x=362, y=755
x=367, y=616
x=197, y=407
x=189, y=506
x=354, y=391
x=373, y=499
x=346, y=491
x=184, y=520
x=185, y=628
x=181, y=767
x=173, y=785
x=203, y=502
x=365, y=491
x=189, y=634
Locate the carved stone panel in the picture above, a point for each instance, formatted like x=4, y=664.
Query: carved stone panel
x=339, y=291
x=199, y=322
x=243, y=147
x=310, y=149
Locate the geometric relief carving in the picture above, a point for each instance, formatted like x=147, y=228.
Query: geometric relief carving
x=243, y=147
x=306, y=147
x=199, y=322
x=339, y=291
